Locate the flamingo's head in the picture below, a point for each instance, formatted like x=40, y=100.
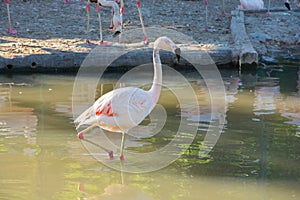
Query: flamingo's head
x=167, y=44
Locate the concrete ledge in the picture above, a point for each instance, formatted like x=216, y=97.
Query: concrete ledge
x=244, y=50
x=70, y=62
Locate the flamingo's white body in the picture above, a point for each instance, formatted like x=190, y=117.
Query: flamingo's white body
x=252, y=4
x=124, y=108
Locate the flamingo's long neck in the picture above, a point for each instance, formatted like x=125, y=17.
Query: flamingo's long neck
x=157, y=79
x=112, y=4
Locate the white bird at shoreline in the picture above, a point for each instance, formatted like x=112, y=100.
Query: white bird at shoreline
x=124, y=108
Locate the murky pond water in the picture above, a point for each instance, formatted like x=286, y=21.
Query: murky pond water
x=257, y=155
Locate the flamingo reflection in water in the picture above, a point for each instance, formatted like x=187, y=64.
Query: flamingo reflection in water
x=124, y=108
x=117, y=191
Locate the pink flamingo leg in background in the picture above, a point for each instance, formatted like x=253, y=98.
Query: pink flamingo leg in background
x=268, y=14
x=102, y=43
x=8, y=17
x=206, y=18
x=88, y=9
x=224, y=14
x=138, y=4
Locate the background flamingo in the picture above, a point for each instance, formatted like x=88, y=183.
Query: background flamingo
x=252, y=4
x=117, y=18
x=255, y=5
x=138, y=4
x=124, y=108
x=8, y=17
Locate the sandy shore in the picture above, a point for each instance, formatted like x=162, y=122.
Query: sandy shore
x=54, y=27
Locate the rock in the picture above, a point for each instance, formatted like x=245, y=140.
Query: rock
x=269, y=60
x=261, y=37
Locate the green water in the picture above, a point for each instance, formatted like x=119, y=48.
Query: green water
x=257, y=156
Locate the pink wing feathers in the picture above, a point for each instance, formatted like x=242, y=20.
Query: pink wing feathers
x=118, y=110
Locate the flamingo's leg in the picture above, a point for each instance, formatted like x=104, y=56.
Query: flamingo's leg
x=206, y=17
x=224, y=13
x=138, y=4
x=8, y=17
x=268, y=14
x=81, y=136
x=88, y=9
x=100, y=24
x=122, y=146
x=102, y=43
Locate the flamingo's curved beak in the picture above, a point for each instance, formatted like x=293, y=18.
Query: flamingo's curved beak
x=178, y=52
x=287, y=5
x=116, y=33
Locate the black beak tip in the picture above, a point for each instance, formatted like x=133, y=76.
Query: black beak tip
x=287, y=5
x=116, y=33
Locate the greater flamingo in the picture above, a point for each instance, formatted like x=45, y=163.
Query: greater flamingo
x=255, y=5
x=117, y=22
x=8, y=17
x=124, y=108
x=252, y=4
x=287, y=4
x=117, y=19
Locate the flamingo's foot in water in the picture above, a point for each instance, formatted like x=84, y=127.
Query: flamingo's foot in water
x=80, y=135
x=267, y=14
x=12, y=31
x=122, y=157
